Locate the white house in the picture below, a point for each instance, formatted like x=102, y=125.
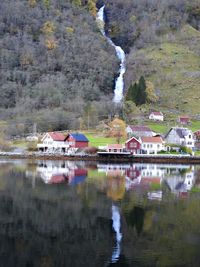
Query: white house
x=152, y=170
x=152, y=145
x=53, y=142
x=52, y=171
x=156, y=116
x=180, y=136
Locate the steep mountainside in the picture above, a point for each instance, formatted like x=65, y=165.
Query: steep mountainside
x=52, y=58
x=161, y=39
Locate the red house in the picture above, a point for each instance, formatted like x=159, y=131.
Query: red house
x=133, y=173
x=77, y=140
x=133, y=145
x=184, y=120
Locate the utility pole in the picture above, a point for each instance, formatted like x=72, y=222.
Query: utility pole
x=88, y=120
x=34, y=128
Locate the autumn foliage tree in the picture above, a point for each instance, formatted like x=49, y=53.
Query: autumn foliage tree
x=117, y=129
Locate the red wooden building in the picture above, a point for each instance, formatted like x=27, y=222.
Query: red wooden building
x=77, y=140
x=184, y=120
x=133, y=145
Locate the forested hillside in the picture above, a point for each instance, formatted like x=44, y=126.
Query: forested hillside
x=161, y=39
x=58, y=70
x=53, y=62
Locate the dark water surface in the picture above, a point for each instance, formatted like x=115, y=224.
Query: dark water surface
x=61, y=213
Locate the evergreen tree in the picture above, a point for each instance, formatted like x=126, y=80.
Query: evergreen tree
x=132, y=92
x=141, y=96
x=128, y=94
x=135, y=92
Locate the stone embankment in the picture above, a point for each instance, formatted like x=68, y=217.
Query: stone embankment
x=179, y=159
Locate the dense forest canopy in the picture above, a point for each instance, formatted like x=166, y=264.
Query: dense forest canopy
x=52, y=58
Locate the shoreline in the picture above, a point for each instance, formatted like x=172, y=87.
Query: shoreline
x=170, y=159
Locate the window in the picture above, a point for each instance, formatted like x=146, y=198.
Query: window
x=133, y=144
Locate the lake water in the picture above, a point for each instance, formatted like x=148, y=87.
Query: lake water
x=64, y=213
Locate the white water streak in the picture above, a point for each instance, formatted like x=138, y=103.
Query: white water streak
x=116, y=226
x=119, y=83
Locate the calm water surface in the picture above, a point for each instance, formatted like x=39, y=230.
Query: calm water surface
x=61, y=213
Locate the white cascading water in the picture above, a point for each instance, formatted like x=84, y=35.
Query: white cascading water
x=116, y=224
x=119, y=83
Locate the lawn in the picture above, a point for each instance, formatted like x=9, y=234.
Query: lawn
x=159, y=127
x=163, y=128
x=175, y=66
x=97, y=139
x=20, y=143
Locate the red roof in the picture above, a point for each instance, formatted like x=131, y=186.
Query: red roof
x=185, y=119
x=197, y=133
x=156, y=139
x=56, y=179
x=114, y=146
x=57, y=136
x=140, y=128
x=157, y=113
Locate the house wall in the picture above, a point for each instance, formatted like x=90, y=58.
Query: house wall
x=189, y=140
x=48, y=144
x=81, y=144
x=152, y=148
x=133, y=146
x=156, y=117
x=173, y=138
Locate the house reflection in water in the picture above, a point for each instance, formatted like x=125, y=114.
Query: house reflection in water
x=115, y=186
x=179, y=179
x=55, y=172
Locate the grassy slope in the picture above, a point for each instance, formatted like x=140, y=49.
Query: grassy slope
x=96, y=139
x=177, y=71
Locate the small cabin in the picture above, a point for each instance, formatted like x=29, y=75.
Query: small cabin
x=156, y=116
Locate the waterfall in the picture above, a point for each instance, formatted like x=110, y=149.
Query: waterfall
x=116, y=226
x=119, y=83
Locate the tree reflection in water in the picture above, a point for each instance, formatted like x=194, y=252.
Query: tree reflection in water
x=51, y=223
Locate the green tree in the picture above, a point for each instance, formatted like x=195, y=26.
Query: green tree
x=137, y=92
x=141, y=94
x=77, y=2
x=132, y=92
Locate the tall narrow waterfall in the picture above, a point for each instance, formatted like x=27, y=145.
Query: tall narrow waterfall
x=119, y=83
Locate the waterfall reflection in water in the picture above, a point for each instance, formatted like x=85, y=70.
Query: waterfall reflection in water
x=65, y=217
x=116, y=226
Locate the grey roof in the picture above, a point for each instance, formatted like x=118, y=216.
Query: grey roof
x=140, y=128
x=181, y=132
